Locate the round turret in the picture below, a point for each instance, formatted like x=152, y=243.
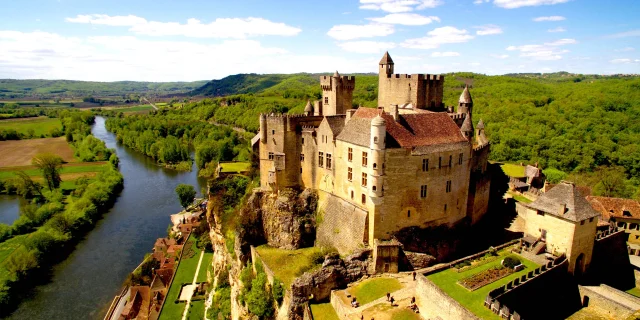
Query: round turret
x=308, y=109
x=378, y=131
x=336, y=75
x=378, y=121
x=480, y=124
x=467, y=126
x=465, y=97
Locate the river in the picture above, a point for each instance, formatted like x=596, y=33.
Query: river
x=83, y=286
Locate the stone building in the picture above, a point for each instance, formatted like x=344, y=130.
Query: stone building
x=621, y=213
x=563, y=220
x=411, y=162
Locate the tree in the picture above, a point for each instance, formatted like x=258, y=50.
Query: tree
x=26, y=187
x=50, y=165
x=612, y=183
x=186, y=193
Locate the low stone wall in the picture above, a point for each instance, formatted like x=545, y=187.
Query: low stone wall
x=604, y=305
x=341, y=310
x=430, y=297
x=307, y=315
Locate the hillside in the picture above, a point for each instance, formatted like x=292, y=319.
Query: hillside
x=49, y=89
x=575, y=123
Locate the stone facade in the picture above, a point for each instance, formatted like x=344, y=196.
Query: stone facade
x=403, y=164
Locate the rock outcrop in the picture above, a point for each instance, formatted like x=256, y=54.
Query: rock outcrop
x=288, y=219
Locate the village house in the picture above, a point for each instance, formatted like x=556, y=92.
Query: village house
x=621, y=213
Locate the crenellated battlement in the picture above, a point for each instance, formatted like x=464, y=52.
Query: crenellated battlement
x=481, y=147
x=344, y=82
x=457, y=116
x=430, y=77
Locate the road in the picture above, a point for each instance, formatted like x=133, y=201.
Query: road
x=149, y=102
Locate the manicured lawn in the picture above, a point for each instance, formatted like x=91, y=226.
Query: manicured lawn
x=386, y=312
x=235, y=166
x=513, y=170
x=196, y=311
x=634, y=291
x=520, y=198
x=184, y=274
x=323, y=311
x=206, y=265
x=372, y=289
x=287, y=264
x=40, y=125
x=448, y=279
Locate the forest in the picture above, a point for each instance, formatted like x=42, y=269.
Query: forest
x=571, y=125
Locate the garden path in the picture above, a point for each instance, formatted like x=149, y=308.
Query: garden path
x=192, y=287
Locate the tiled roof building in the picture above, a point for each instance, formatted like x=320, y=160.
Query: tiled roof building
x=410, y=162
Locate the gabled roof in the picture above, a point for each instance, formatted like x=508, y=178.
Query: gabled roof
x=565, y=193
x=410, y=131
x=465, y=97
x=386, y=59
x=615, y=207
x=531, y=171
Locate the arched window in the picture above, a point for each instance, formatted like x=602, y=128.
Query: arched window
x=408, y=213
x=375, y=139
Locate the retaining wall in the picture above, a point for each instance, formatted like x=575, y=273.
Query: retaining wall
x=430, y=297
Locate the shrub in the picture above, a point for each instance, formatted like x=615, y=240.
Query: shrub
x=277, y=290
x=510, y=262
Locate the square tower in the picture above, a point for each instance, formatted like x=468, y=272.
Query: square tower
x=337, y=94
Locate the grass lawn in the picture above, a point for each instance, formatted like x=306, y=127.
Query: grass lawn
x=184, y=274
x=287, y=264
x=206, y=265
x=385, y=311
x=513, y=170
x=448, y=279
x=520, y=198
x=196, y=311
x=634, y=291
x=40, y=125
x=323, y=311
x=372, y=289
x=235, y=166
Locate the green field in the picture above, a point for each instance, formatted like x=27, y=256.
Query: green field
x=448, y=279
x=513, y=170
x=69, y=168
x=206, y=264
x=323, y=311
x=140, y=108
x=184, y=274
x=196, y=311
x=39, y=125
x=230, y=167
x=372, y=289
x=520, y=198
x=288, y=264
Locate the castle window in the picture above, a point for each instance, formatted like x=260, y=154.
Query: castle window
x=460, y=159
x=302, y=140
x=439, y=162
x=582, y=223
x=364, y=159
x=328, y=160
x=425, y=164
x=450, y=158
x=375, y=139
x=352, y=195
x=350, y=176
x=423, y=191
x=591, y=220
x=326, y=100
x=374, y=188
x=364, y=198
x=302, y=157
x=408, y=213
x=320, y=159
x=270, y=155
x=445, y=207
x=449, y=186
x=364, y=179
x=375, y=165
x=350, y=154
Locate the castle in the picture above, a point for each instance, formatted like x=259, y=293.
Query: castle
x=411, y=162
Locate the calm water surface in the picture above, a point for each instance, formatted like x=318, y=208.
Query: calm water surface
x=83, y=286
x=10, y=208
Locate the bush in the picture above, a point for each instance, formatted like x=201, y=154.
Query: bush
x=510, y=262
x=277, y=290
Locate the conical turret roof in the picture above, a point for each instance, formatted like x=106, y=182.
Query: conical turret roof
x=467, y=126
x=480, y=124
x=336, y=75
x=308, y=107
x=465, y=97
x=386, y=59
x=378, y=121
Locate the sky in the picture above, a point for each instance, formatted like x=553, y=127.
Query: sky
x=161, y=40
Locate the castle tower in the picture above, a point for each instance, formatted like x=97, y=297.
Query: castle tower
x=377, y=146
x=465, y=103
x=481, y=138
x=386, y=66
x=467, y=126
x=263, y=128
x=308, y=109
x=337, y=94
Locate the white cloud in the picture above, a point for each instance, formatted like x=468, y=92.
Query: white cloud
x=222, y=28
x=632, y=33
x=549, y=18
x=488, y=30
x=351, y=31
x=512, y=4
x=546, y=51
x=625, y=60
x=474, y=64
x=500, y=56
x=366, y=46
x=42, y=55
x=445, y=54
x=408, y=19
x=481, y=1
x=558, y=29
x=627, y=49
x=437, y=37
x=396, y=6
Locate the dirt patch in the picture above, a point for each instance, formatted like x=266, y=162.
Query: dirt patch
x=20, y=152
x=483, y=278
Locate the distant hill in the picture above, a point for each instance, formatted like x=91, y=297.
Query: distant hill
x=50, y=89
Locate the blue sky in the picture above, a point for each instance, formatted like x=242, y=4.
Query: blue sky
x=197, y=40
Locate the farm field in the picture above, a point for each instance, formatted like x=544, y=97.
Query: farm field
x=39, y=125
x=134, y=109
x=20, y=152
x=235, y=166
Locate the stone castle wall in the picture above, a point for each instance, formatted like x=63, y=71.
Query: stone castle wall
x=430, y=297
x=423, y=91
x=342, y=226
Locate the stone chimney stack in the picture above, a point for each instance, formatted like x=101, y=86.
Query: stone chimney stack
x=350, y=113
x=394, y=112
x=562, y=209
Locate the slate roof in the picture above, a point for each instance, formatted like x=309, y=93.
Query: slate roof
x=615, y=207
x=467, y=126
x=465, y=97
x=386, y=59
x=531, y=171
x=308, y=107
x=336, y=123
x=410, y=131
x=565, y=193
x=480, y=124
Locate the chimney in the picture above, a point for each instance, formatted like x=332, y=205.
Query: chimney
x=562, y=209
x=394, y=111
x=350, y=113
